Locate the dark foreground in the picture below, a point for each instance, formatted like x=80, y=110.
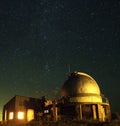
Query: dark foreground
x=63, y=123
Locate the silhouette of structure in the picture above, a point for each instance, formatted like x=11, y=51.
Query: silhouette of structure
x=81, y=100
x=22, y=109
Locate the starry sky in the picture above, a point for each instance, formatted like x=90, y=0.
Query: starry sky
x=41, y=41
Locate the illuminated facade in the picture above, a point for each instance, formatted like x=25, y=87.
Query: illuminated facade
x=21, y=109
x=82, y=99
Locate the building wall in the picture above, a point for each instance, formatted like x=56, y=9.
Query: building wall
x=9, y=107
x=30, y=108
x=20, y=108
x=20, y=102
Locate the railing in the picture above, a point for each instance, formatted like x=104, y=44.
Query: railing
x=105, y=100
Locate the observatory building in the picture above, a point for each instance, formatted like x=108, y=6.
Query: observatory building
x=82, y=99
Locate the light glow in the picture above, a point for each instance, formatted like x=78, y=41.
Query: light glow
x=30, y=114
x=20, y=115
x=46, y=111
x=5, y=115
x=11, y=114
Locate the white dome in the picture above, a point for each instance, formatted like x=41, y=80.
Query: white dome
x=81, y=87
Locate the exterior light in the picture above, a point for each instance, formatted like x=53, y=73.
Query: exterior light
x=46, y=111
x=20, y=115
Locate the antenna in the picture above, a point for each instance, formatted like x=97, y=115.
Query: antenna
x=69, y=68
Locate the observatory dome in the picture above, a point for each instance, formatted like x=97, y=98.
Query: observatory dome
x=81, y=87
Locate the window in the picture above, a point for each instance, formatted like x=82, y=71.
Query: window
x=46, y=111
x=11, y=114
x=20, y=115
x=5, y=115
x=30, y=114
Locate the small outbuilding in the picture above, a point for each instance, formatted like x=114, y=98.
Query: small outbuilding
x=22, y=109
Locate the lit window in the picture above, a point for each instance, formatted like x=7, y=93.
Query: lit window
x=5, y=115
x=20, y=115
x=11, y=115
x=46, y=111
x=30, y=114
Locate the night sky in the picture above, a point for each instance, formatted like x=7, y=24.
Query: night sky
x=41, y=41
